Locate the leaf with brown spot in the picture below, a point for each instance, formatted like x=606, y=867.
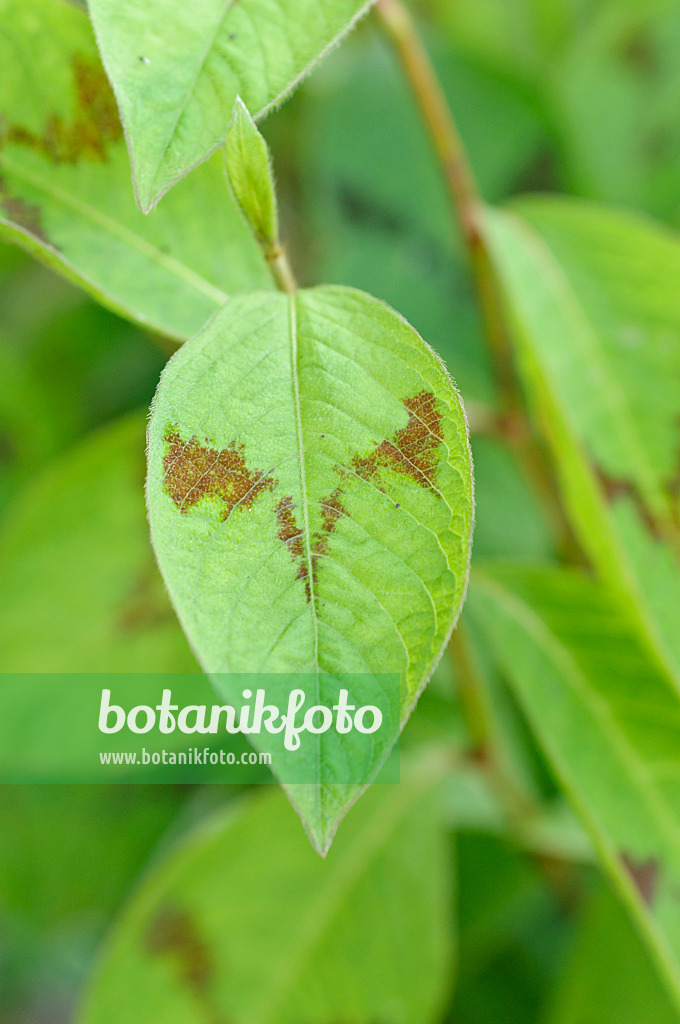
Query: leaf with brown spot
x=608, y=722
x=594, y=298
x=645, y=875
x=87, y=135
x=65, y=190
x=310, y=501
x=193, y=473
x=414, y=450
x=26, y=216
x=173, y=932
x=243, y=921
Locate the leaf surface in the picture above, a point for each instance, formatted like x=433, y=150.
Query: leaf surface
x=177, y=70
x=594, y=298
x=79, y=590
x=243, y=922
x=310, y=499
x=609, y=723
x=66, y=195
x=595, y=988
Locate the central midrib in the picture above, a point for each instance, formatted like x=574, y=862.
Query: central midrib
x=305, y=512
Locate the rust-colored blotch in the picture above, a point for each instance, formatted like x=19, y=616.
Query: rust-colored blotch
x=645, y=875
x=173, y=931
x=25, y=215
x=193, y=471
x=94, y=126
x=414, y=449
x=291, y=534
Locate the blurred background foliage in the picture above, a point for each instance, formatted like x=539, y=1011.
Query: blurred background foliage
x=573, y=96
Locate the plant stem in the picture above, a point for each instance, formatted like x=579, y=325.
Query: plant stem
x=519, y=807
x=435, y=110
x=446, y=140
x=281, y=269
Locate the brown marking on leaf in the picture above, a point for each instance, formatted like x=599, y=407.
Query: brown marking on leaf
x=645, y=875
x=291, y=534
x=193, y=472
x=173, y=932
x=414, y=449
x=618, y=487
x=289, y=531
x=639, y=53
x=94, y=126
x=96, y=99
x=24, y=215
x=332, y=510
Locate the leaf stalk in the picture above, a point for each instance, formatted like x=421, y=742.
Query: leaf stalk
x=281, y=269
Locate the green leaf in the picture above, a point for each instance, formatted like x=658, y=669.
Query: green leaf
x=622, y=69
x=509, y=523
x=65, y=191
x=609, y=723
x=594, y=298
x=595, y=989
x=177, y=70
x=79, y=590
x=250, y=176
x=514, y=37
x=507, y=920
x=244, y=923
x=42, y=885
x=310, y=499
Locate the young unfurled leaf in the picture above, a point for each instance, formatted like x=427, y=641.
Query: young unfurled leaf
x=245, y=923
x=250, y=176
x=177, y=69
x=65, y=191
x=310, y=498
x=594, y=298
x=609, y=722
